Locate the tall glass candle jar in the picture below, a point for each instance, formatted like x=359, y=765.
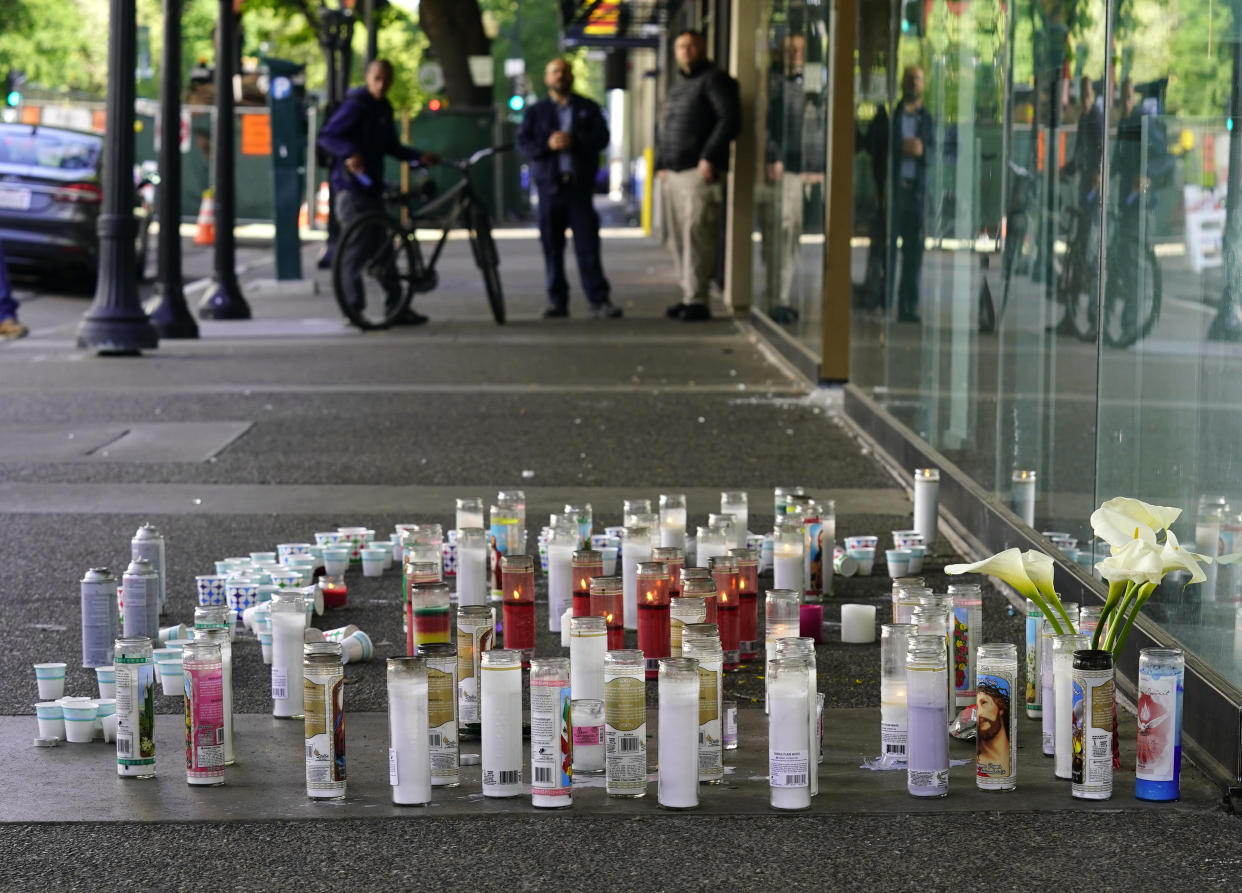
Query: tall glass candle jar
x=804, y=647
x=693, y=572
x=894, y=643
x=288, y=625
x=1093, y=717
x=409, y=760
x=632, y=508
x=562, y=544
x=551, y=750
x=789, y=742
x=606, y=598
x=324, y=682
x=518, y=575
x=507, y=533
x=728, y=606
x=748, y=602
x=443, y=751
x=927, y=718
x=705, y=589
x=926, y=503
x=710, y=542
x=996, y=730
x=828, y=540
x=501, y=694
x=673, y=520
x=706, y=650
x=220, y=638
x=134, y=666
x=1089, y=618
x=636, y=548
x=587, y=644
x=469, y=514
x=966, y=623
x=1048, y=717
x=471, y=566
x=735, y=503
x=625, y=724
x=1023, y=490
x=1034, y=687
x=1158, y=754
x=476, y=634
x=782, y=620
x=683, y=610
x=433, y=622
x=586, y=564
x=653, y=612
x=812, y=550
x=787, y=558
x=587, y=715
x=906, y=593
x=1063, y=648
x=678, y=734
x=582, y=518
x=204, y=713
x=931, y=616
x=414, y=572
x=780, y=504
x=674, y=559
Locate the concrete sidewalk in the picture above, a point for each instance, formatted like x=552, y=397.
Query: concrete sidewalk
x=267, y=430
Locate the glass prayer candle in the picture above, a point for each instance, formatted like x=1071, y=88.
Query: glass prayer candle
x=424, y=542
x=1158, y=756
x=1048, y=718
x=709, y=543
x=781, y=498
x=469, y=513
x=748, y=601
x=636, y=548
x=562, y=542
x=682, y=610
x=587, y=644
x=675, y=558
x=551, y=781
x=813, y=549
x=288, y=626
x=789, y=740
x=926, y=503
x=631, y=508
x=606, y=595
x=323, y=675
x=500, y=693
x=582, y=519
x=416, y=573
x=335, y=592
x=587, y=563
x=781, y=620
x=894, y=643
x=514, y=501
x=476, y=634
x=1023, y=490
x=653, y=613
x=728, y=607
x=1089, y=619
x=409, y=763
x=1063, y=648
x=727, y=524
x=441, y=660
x=735, y=503
x=471, y=566
x=625, y=724
x=220, y=637
x=507, y=534
x=588, y=734
x=204, y=713
x=706, y=650
x=678, y=733
x=706, y=590
x=927, y=718
x=905, y=595
x=673, y=520
x=996, y=723
x=967, y=629
x=787, y=557
x=693, y=572
x=804, y=647
x=517, y=574
x=429, y=605
x=1094, y=717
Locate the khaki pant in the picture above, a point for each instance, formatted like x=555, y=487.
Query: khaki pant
x=691, y=226
x=779, y=209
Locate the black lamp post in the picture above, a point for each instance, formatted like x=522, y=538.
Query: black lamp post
x=115, y=322
x=171, y=315
x=224, y=299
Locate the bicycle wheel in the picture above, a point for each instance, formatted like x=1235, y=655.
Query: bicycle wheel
x=1076, y=288
x=488, y=259
x=1132, y=311
x=373, y=272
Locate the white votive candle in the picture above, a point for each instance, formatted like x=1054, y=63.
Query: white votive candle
x=679, y=733
x=288, y=636
x=735, y=503
x=857, y=624
x=588, y=640
x=787, y=560
x=560, y=582
x=789, y=744
x=635, y=549
x=926, y=502
x=501, y=697
x=409, y=761
x=471, y=567
x=1023, y=496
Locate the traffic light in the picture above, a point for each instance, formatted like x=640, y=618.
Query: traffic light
x=517, y=92
x=435, y=104
x=13, y=83
x=912, y=17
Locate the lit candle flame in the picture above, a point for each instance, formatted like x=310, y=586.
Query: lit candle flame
x=608, y=618
x=516, y=595
x=650, y=596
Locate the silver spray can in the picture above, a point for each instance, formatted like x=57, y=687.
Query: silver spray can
x=1091, y=766
x=99, y=617
x=148, y=543
x=141, y=585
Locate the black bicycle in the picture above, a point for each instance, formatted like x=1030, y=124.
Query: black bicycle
x=379, y=265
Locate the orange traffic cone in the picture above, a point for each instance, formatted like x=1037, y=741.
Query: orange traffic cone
x=205, y=234
x=321, y=206
x=303, y=217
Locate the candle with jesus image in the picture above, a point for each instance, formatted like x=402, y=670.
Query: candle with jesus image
x=996, y=738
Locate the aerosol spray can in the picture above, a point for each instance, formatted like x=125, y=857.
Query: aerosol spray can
x=99, y=617
x=148, y=543
x=1092, y=735
x=142, y=595
x=135, y=707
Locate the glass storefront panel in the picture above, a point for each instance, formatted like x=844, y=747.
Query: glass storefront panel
x=791, y=132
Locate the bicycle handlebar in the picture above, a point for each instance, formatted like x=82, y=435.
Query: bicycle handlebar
x=462, y=164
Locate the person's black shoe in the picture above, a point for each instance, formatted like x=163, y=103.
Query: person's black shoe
x=783, y=314
x=554, y=312
x=606, y=310
x=675, y=311
x=410, y=318
x=695, y=313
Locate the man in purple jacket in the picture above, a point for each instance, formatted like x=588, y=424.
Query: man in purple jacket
x=358, y=136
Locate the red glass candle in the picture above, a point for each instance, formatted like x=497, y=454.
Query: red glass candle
x=517, y=577
x=587, y=563
x=725, y=573
x=675, y=560
x=606, y=602
x=653, y=614
x=335, y=593
x=748, y=600
x=429, y=606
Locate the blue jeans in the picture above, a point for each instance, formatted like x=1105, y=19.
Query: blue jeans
x=8, y=304
x=569, y=204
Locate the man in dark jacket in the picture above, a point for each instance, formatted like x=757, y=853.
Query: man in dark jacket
x=358, y=136
x=562, y=137
x=912, y=144
x=701, y=117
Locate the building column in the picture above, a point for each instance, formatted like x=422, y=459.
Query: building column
x=838, y=228
x=740, y=213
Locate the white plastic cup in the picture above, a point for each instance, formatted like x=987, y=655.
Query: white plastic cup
x=310, y=634
x=865, y=559
x=356, y=647
x=265, y=643
x=80, y=721
x=373, y=561
x=51, y=680
x=51, y=717
x=172, y=678
x=335, y=560
x=609, y=556
x=105, y=718
x=106, y=676
x=898, y=561
x=917, y=554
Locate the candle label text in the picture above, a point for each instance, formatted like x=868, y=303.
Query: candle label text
x=789, y=768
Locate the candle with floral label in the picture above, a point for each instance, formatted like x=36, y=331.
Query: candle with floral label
x=551, y=747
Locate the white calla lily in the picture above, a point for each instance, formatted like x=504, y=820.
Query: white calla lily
x=1007, y=566
x=1137, y=561
x=1038, y=567
x=1157, y=517
x=1175, y=558
x=1118, y=528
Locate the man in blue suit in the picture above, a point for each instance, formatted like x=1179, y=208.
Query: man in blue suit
x=562, y=137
